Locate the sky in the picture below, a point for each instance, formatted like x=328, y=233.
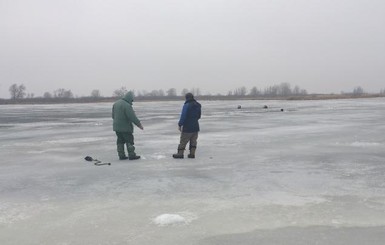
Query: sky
x=323, y=46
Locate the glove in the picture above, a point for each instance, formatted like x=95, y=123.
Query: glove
x=88, y=158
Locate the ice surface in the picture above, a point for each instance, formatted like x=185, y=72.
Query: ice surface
x=312, y=174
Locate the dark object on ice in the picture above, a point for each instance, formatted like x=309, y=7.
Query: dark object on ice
x=265, y=107
x=96, y=161
x=104, y=163
x=88, y=158
x=281, y=109
x=239, y=107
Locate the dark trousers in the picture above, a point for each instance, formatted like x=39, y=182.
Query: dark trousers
x=128, y=139
x=186, y=138
x=124, y=138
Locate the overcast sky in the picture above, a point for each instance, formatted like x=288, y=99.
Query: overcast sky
x=215, y=45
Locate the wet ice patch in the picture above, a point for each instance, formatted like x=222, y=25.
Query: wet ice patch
x=361, y=144
x=364, y=144
x=75, y=140
x=159, y=156
x=173, y=219
x=286, y=199
x=37, y=152
x=15, y=212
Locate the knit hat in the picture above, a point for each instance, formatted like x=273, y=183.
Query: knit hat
x=189, y=96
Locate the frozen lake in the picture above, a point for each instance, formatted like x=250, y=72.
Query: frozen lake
x=312, y=174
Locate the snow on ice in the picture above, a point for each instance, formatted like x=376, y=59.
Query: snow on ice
x=173, y=219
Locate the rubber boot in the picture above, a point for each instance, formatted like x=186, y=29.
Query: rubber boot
x=179, y=154
x=131, y=152
x=133, y=157
x=121, y=153
x=192, y=152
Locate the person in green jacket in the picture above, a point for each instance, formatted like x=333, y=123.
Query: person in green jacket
x=124, y=117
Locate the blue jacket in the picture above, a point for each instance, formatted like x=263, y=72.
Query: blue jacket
x=190, y=115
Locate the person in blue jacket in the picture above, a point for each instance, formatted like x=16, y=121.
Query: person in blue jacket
x=189, y=126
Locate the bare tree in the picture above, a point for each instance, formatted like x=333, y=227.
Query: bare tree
x=303, y=92
x=272, y=90
x=241, y=91
x=142, y=93
x=254, y=91
x=68, y=94
x=161, y=92
x=196, y=91
x=13, y=89
x=171, y=92
x=47, y=95
x=17, y=91
x=156, y=93
x=62, y=93
x=284, y=89
x=296, y=90
x=95, y=93
x=120, y=92
x=358, y=90
x=184, y=91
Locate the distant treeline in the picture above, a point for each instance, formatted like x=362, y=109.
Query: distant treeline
x=40, y=100
x=280, y=91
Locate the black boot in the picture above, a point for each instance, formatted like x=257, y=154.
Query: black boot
x=179, y=154
x=192, y=152
x=121, y=153
x=133, y=157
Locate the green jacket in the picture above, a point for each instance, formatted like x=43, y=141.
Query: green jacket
x=124, y=115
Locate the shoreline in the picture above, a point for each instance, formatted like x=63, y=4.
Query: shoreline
x=179, y=98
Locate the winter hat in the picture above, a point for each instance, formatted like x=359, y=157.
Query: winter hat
x=189, y=96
